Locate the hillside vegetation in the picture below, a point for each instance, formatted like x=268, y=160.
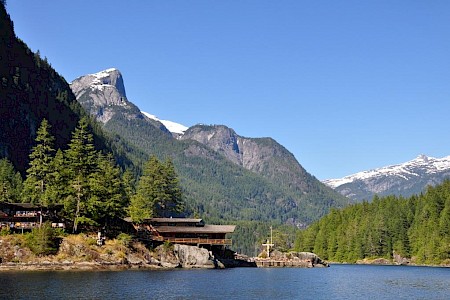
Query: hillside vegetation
x=417, y=228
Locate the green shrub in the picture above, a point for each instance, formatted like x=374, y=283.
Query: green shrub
x=168, y=245
x=5, y=231
x=263, y=254
x=43, y=240
x=124, y=239
x=91, y=241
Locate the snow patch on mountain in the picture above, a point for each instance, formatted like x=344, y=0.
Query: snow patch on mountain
x=414, y=168
x=171, y=126
x=104, y=73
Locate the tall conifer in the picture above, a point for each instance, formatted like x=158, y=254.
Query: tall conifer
x=108, y=197
x=158, y=193
x=10, y=182
x=81, y=159
x=38, y=174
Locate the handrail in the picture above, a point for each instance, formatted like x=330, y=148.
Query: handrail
x=193, y=240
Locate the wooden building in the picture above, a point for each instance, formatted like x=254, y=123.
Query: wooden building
x=25, y=216
x=187, y=231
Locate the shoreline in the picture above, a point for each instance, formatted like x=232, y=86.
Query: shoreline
x=111, y=266
x=77, y=266
x=393, y=264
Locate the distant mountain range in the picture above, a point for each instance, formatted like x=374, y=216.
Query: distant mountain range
x=404, y=179
x=224, y=176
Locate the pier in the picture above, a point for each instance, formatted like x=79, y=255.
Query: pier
x=283, y=264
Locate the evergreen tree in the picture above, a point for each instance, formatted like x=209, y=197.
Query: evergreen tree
x=157, y=192
x=81, y=159
x=58, y=190
x=108, y=197
x=142, y=205
x=129, y=183
x=38, y=174
x=10, y=182
x=173, y=203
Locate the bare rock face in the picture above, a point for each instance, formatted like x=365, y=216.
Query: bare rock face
x=399, y=260
x=260, y=155
x=312, y=257
x=184, y=256
x=195, y=257
x=103, y=95
x=166, y=257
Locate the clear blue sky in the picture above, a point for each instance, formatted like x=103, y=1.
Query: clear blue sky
x=344, y=85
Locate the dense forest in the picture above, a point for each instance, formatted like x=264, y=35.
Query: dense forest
x=88, y=184
x=417, y=227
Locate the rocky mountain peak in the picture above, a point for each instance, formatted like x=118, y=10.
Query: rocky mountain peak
x=422, y=158
x=220, y=138
x=102, y=93
x=260, y=155
x=110, y=78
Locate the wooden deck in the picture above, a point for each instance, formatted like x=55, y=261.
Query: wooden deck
x=195, y=241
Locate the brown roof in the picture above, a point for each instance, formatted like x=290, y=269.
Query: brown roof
x=25, y=205
x=204, y=229
x=173, y=220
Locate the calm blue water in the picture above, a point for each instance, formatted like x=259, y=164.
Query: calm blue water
x=336, y=282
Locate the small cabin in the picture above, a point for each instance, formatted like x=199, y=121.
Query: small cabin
x=188, y=231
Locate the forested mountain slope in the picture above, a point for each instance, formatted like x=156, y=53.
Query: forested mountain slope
x=267, y=158
x=270, y=186
x=417, y=228
x=31, y=90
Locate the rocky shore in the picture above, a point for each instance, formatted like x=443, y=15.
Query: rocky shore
x=79, y=252
x=291, y=259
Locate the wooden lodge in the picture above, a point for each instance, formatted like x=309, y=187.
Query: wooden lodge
x=25, y=216
x=186, y=231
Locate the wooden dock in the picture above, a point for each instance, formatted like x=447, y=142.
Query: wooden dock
x=269, y=263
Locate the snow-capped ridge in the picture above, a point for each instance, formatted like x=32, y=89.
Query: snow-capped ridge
x=171, y=126
x=414, y=168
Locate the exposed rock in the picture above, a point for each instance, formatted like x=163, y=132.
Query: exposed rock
x=291, y=259
x=103, y=95
x=260, y=155
x=376, y=261
x=399, y=260
x=195, y=257
x=184, y=256
x=166, y=256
